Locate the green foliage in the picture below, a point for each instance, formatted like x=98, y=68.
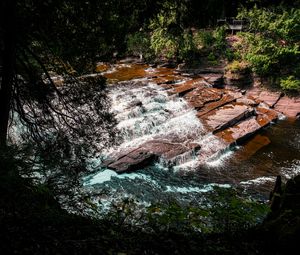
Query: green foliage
x=237, y=67
x=212, y=59
x=272, y=45
x=138, y=44
x=203, y=38
x=290, y=83
x=219, y=39
x=231, y=213
x=228, y=212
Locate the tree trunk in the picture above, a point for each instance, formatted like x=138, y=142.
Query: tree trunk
x=8, y=68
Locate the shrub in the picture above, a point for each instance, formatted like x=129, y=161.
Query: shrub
x=290, y=83
x=203, y=39
x=272, y=45
x=237, y=67
x=138, y=44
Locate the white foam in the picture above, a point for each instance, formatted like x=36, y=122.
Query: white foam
x=100, y=177
x=292, y=171
x=219, y=159
x=258, y=181
x=107, y=175
x=204, y=189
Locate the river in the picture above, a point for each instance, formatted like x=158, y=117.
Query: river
x=147, y=112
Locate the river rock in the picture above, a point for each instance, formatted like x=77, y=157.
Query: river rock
x=240, y=131
x=198, y=97
x=238, y=79
x=147, y=153
x=226, y=99
x=252, y=146
x=248, y=100
x=130, y=161
x=249, y=126
x=216, y=80
x=226, y=116
x=188, y=86
x=288, y=106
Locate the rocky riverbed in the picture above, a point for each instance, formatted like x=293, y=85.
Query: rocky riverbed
x=228, y=115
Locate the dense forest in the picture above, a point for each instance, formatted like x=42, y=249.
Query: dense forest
x=56, y=101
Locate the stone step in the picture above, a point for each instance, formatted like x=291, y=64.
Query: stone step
x=226, y=116
x=147, y=154
x=247, y=127
x=188, y=86
x=199, y=97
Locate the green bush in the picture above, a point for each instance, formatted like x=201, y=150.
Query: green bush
x=290, y=83
x=237, y=67
x=272, y=44
x=138, y=44
x=203, y=39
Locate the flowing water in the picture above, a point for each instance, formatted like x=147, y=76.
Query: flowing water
x=145, y=111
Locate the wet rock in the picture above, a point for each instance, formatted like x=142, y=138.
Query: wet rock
x=265, y=116
x=198, y=97
x=188, y=86
x=248, y=100
x=226, y=116
x=130, y=161
x=135, y=103
x=269, y=97
x=226, y=99
x=125, y=72
x=102, y=67
x=245, y=128
x=216, y=80
x=147, y=153
x=240, y=131
x=288, y=106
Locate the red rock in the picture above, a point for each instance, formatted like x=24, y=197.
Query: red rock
x=188, y=86
x=265, y=116
x=226, y=116
x=240, y=131
x=288, y=106
x=127, y=72
x=198, y=97
x=248, y=127
x=215, y=80
x=131, y=161
x=147, y=153
x=226, y=99
x=270, y=98
x=249, y=100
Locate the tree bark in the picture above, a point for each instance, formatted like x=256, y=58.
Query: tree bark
x=8, y=68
